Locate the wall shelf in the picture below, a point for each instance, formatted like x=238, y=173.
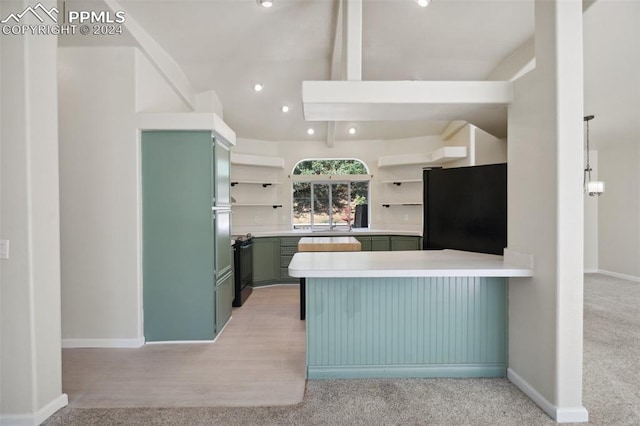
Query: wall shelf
x=439, y=156
x=254, y=182
x=257, y=160
x=275, y=206
x=387, y=205
x=399, y=182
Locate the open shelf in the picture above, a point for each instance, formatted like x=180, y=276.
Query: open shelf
x=439, y=156
x=399, y=182
x=257, y=160
x=254, y=182
x=417, y=203
x=275, y=206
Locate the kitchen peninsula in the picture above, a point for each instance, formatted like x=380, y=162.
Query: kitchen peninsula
x=406, y=314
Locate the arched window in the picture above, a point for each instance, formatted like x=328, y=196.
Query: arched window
x=330, y=194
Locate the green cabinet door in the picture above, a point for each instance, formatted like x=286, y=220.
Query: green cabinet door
x=399, y=243
x=223, y=249
x=365, y=243
x=222, y=170
x=177, y=236
x=266, y=260
x=379, y=243
x=224, y=298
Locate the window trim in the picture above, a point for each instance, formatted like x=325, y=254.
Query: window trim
x=328, y=179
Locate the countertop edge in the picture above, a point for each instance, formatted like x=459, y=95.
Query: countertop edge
x=305, y=233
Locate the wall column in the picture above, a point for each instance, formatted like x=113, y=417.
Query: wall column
x=30, y=354
x=545, y=211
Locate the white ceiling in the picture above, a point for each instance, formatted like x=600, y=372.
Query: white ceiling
x=228, y=45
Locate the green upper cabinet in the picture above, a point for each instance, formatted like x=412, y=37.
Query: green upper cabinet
x=178, y=236
x=222, y=170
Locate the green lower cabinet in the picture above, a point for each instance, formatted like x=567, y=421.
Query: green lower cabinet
x=400, y=243
x=365, y=243
x=266, y=260
x=379, y=243
x=224, y=296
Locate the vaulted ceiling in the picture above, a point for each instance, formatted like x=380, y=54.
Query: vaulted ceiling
x=229, y=45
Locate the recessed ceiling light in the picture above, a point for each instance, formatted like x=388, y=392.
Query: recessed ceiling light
x=266, y=3
x=352, y=130
x=258, y=87
x=310, y=131
x=285, y=108
x=423, y=3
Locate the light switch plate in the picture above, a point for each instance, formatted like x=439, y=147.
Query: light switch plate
x=4, y=249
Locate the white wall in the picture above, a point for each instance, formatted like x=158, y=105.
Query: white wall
x=369, y=151
x=100, y=91
x=545, y=210
x=612, y=94
x=30, y=358
x=591, y=220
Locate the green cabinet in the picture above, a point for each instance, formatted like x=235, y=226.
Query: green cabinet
x=288, y=247
x=224, y=297
x=222, y=170
x=399, y=243
x=365, y=243
x=266, y=260
x=223, y=250
x=187, y=258
x=380, y=243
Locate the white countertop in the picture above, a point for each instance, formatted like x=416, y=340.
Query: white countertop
x=257, y=232
x=429, y=263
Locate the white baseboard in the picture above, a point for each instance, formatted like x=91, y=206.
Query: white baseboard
x=618, y=275
x=102, y=343
x=560, y=415
x=36, y=418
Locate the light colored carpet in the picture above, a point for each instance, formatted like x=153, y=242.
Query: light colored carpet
x=611, y=393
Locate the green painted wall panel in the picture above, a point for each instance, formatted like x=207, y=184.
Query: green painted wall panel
x=178, y=286
x=457, y=323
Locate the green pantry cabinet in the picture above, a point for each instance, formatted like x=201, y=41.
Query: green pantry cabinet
x=186, y=221
x=272, y=255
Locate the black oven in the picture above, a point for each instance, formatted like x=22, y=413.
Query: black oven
x=243, y=269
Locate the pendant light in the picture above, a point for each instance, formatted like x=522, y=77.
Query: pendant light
x=591, y=187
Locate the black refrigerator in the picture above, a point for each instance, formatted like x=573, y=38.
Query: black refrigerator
x=465, y=208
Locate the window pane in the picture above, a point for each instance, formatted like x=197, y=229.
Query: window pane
x=341, y=208
x=360, y=204
x=321, y=205
x=301, y=204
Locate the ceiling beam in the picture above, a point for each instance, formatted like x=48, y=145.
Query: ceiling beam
x=401, y=100
x=352, y=40
x=161, y=60
x=346, y=59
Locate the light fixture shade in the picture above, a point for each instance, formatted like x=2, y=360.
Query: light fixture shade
x=423, y=3
x=595, y=187
x=266, y=3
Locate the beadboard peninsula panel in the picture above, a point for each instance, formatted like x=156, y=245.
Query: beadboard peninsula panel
x=406, y=327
